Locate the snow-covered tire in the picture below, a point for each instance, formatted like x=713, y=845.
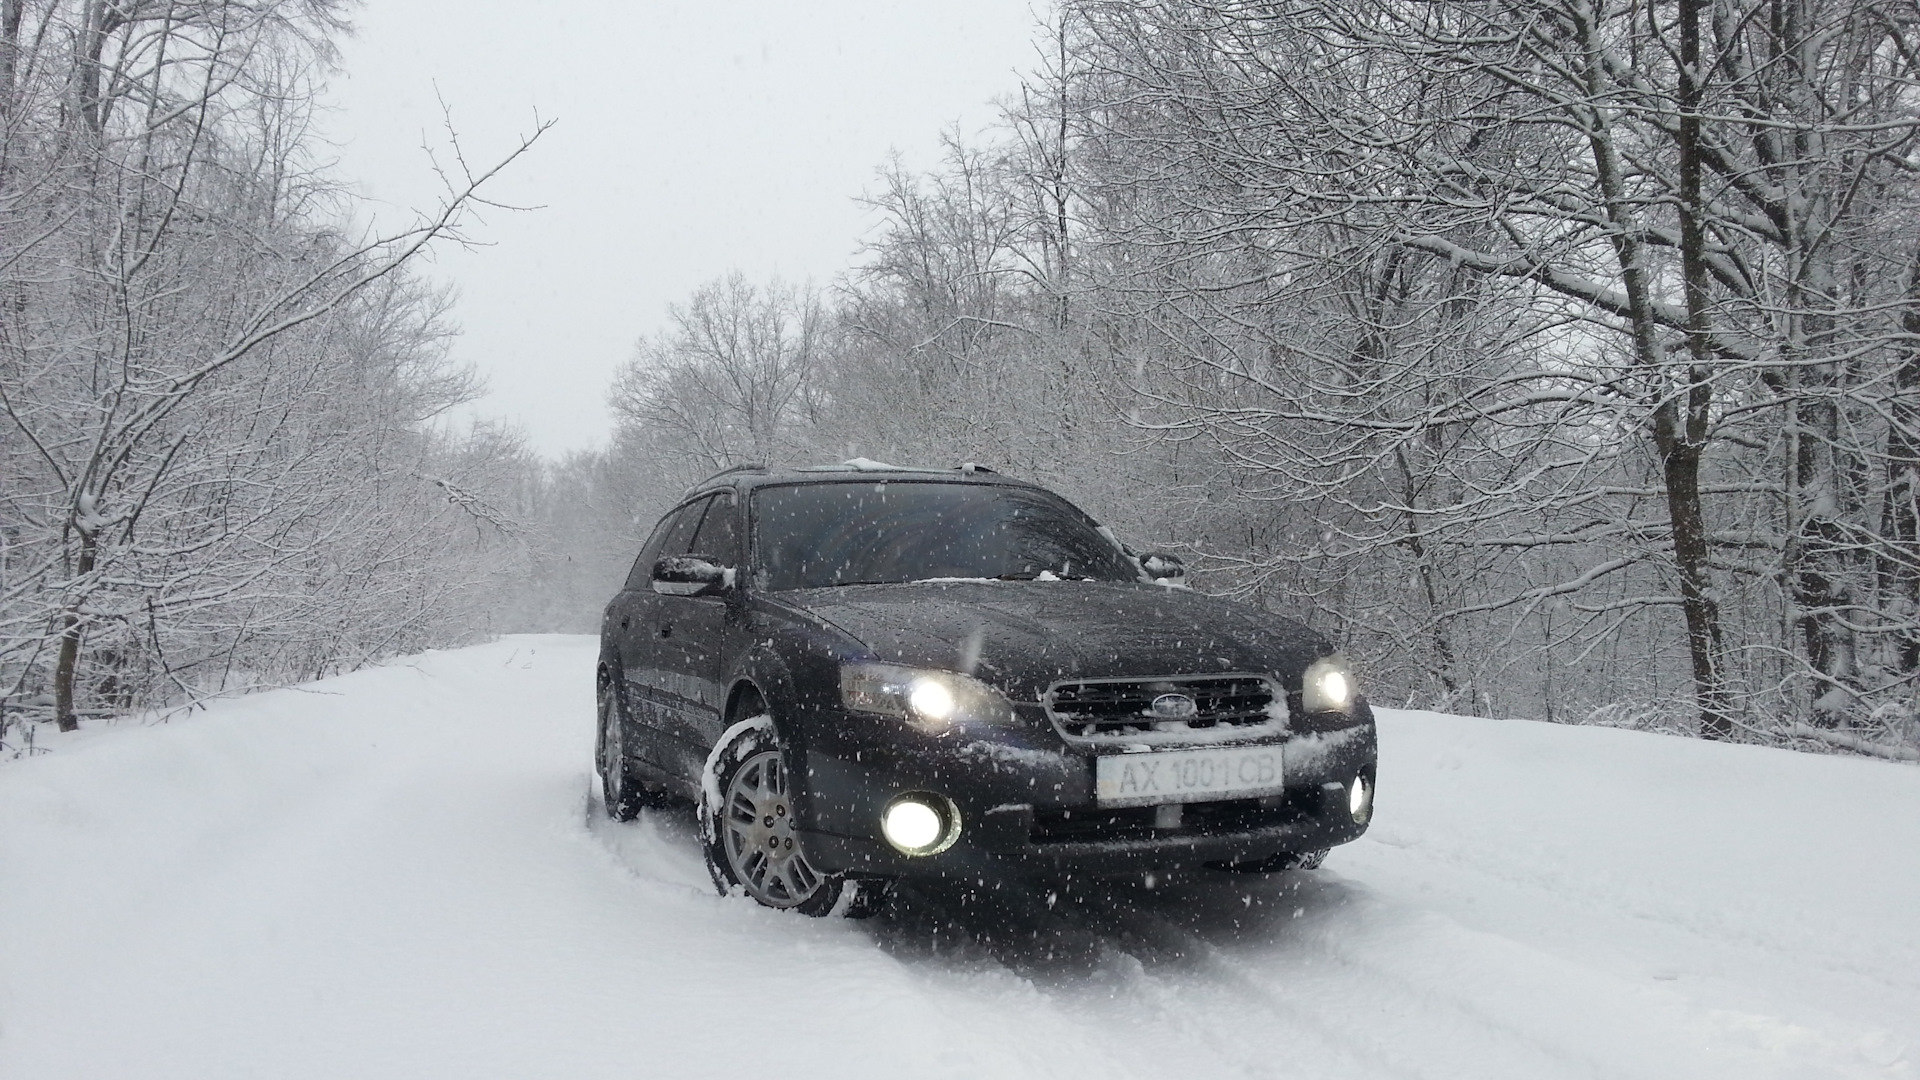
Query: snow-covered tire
x=1273, y=864
x=620, y=790
x=747, y=833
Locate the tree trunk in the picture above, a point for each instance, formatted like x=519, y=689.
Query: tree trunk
x=70, y=630
x=1680, y=463
x=1898, y=556
x=1681, y=442
x=11, y=12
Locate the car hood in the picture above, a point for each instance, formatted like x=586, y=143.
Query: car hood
x=1024, y=635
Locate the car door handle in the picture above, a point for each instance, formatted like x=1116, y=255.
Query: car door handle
x=666, y=629
x=625, y=621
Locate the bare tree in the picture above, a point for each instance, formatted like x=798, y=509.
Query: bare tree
x=214, y=403
x=1697, y=211
x=732, y=378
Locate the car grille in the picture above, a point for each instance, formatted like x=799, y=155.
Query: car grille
x=1122, y=709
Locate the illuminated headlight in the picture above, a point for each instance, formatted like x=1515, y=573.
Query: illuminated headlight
x=1360, y=799
x=1328, y=686
x=919, y=823
x=931, y=700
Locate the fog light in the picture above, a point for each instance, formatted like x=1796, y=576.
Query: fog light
x=920, y=824
x=1360, y=799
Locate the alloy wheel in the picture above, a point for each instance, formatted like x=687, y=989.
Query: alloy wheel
x=758, y=834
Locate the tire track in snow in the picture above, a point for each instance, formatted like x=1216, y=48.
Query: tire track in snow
x=1348, y=982
x=1309, y=970
x=1188, y=961
x=1105, y=954
x=661, y=846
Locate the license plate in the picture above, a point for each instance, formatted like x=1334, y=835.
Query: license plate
x=1187, y=775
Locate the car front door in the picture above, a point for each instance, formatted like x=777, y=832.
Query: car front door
x=694, y=635
x=648, y=660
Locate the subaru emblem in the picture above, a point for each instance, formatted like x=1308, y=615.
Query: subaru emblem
x=1175, y=707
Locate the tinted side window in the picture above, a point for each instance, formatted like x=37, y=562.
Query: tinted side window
x=673, y=536
x=719, y=535
x=637, y=577
x=677, y=537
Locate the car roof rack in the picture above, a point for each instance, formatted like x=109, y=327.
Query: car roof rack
x=753, y=466
x=860, y=464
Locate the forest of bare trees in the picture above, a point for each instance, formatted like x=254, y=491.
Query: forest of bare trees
x=217, y=462
x=1562, y=358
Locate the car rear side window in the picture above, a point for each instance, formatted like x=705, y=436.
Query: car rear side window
x=851, y=533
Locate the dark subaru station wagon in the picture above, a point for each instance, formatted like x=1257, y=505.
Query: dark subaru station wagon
x=861, y=673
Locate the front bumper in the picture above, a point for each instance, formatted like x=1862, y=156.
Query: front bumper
x=1027, y=807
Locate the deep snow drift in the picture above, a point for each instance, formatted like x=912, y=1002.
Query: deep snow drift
x=399, y=873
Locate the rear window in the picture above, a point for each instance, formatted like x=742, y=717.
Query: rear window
x=856, y=533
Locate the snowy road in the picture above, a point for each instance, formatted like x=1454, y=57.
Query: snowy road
x=398, y=873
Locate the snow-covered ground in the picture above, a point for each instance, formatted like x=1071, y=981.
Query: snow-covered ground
x=399, y=873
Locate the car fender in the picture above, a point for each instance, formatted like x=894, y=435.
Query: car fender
x=761, y=671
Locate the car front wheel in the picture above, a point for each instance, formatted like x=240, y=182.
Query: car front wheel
x=747, y=831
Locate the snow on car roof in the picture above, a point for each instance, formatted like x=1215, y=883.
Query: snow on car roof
x=851, y=465
x=860, y=464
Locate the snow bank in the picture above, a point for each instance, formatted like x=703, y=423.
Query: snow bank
x=398, y=873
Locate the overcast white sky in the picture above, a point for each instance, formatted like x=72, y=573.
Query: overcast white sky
x=692, y=138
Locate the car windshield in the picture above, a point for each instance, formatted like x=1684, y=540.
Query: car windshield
x=864, y=533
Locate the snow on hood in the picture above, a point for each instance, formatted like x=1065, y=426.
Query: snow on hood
x=1023, y=635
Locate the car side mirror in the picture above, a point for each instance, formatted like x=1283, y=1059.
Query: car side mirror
x=1164, y=567
x=691, y=575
